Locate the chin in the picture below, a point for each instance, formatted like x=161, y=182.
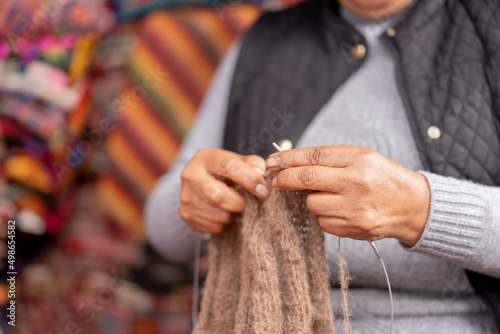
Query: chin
x=375, y=8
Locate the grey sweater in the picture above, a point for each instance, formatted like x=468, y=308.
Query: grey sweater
x=431, y=291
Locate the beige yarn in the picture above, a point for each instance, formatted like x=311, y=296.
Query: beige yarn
x=268, y=272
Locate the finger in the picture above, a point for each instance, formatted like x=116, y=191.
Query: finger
x=257, y=162
x=335, y=226
x=220, y=195
x=311, y=178
x=208, y=189
x=231, y=166
x=211, y=213
x=202, y=225
x=345, y=229
x=329, y=156
x=327, y=204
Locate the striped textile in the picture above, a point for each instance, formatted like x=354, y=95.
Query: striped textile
x=170, y=68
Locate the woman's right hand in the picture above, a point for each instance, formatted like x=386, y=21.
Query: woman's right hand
x=208, y=204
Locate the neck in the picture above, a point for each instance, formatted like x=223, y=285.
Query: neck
x=375, y=9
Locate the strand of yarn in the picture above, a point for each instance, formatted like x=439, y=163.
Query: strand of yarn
x=344, y=286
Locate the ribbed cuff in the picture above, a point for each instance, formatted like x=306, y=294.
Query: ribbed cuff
x=457, y=220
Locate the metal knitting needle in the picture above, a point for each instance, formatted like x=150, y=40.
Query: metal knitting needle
x=375, y=249
x=388, y=282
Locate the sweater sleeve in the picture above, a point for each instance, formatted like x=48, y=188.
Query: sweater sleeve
x=463, y=225
x=166, y=231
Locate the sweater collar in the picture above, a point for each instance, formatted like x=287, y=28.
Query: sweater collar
x=338, y=32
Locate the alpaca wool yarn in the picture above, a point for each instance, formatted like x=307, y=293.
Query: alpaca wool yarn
x=267, y=271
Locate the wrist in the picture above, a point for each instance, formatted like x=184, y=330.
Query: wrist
x=418, y=211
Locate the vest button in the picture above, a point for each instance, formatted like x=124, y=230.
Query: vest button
x=434, y=132
x=358, y=51
x=390, y=32
x=285, y=144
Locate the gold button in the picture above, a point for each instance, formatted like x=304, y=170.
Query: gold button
x=391, y=32
x=285, y=144
x=358, y=51
x=434, y=132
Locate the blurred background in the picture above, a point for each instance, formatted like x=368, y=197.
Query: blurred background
x=95, y=99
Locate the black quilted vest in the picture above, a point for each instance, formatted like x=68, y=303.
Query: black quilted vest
x=448, y=55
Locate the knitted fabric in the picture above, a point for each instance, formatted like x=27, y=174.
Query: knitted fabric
x=267, y=271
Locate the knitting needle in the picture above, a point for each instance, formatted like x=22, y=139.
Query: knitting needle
x=277, y=147
x=388, y=282
x=375, y=249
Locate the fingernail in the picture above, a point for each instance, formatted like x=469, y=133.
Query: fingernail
x=274, y=182
x=272, y=163
x=260, y=171
x=262, y=190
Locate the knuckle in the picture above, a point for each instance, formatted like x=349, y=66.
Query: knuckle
x=184, y=213
x=365, y=232
x=215, y=195
x=228, y=165
x=307, y=176
x=370, y=177
x=366, y=179
x=360, y=179
x=368, y=155
x=371, y=218
x=186, y=196
x=185, y=174
x=314, y=155
x=323, y=222
x=185, y=199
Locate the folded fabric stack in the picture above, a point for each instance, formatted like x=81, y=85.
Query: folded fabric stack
x=45, y=50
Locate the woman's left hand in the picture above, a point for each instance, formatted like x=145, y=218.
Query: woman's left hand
x=358, y=193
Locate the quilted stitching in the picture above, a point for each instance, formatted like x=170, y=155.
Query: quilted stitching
x=449, y=97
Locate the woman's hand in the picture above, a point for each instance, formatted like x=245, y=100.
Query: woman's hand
x=359, y=193
x=208, y=204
